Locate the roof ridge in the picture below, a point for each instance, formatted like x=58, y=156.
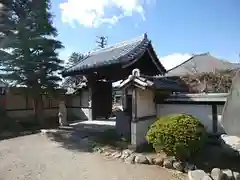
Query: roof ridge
x=203, y=54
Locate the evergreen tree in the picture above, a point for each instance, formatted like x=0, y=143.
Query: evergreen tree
x=73, y=81
x=28, y=48
x=74, y=59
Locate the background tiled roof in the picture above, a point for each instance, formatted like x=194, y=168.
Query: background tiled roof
x=202, y=63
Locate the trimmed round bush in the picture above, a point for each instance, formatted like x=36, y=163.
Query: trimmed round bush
x=179, y=135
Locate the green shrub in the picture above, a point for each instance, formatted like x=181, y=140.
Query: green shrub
x=180, y=135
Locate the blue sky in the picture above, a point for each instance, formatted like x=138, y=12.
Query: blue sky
x=177, y=28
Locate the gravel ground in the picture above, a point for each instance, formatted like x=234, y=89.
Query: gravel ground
x=35, y=157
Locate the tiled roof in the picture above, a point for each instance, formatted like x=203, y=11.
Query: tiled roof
x=202, y=63
x=158, y=83
x=119, y=53
x=140, y=81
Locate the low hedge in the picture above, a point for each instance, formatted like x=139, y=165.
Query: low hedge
x=179, y=135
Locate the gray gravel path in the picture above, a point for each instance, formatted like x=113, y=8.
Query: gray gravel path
x=35, y=157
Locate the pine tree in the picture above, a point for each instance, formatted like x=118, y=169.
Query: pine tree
x=73, y=81
x=102, y=41
x=28, y=48
x=74, y=59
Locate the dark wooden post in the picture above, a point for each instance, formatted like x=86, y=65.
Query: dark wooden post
x=134, y=104
x=214, y=119
x=91, y=88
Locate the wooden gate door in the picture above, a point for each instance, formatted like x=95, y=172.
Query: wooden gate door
x=102, y=100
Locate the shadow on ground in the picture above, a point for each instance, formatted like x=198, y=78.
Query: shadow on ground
x=9, y=135
x=73, y=139
x=12, y=128
x=84, y=137
x=214, y=156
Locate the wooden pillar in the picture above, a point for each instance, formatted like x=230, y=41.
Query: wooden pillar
x=214, y=119
x=90, y=116
x=91, y=82
x=134, y=105
x=124, y=99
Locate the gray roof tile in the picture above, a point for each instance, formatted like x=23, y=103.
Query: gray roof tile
x=119, y=53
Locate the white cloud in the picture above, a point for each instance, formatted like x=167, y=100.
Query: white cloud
x=92, y=13
x=172, y=60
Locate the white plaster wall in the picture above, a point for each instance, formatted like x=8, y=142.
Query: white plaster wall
x=85, y=97
x=139, y=130
x=15, y=101
x=20, y=113
x=76, y=101
x=81, y=113
x=203, y=112
x=18, y=108
x=145, y=103
x=51, y=112
x=80, y=106
x=86, y=112
x=219, y=113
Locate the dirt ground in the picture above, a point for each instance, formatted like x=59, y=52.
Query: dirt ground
x=35, y=157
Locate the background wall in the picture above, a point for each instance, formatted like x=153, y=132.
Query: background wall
x=19, y=105
x=202, y=111
x=79, y=106
x=219, y=117
x=206, y=107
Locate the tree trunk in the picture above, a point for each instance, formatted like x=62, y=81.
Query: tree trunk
x=38, y=110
